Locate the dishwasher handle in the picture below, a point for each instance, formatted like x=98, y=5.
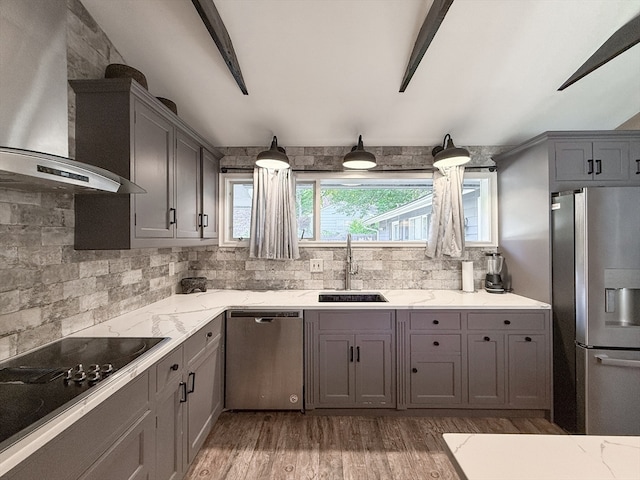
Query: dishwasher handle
x=263, y=319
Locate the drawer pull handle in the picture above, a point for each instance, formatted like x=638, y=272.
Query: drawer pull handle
x=414, y=370
x=436, y=322
x=507, y=322
x=175, y=367
x=351, y=354
x=486, y=339
x=436, y=343
x=638, y=167
x=172, y=216
x=358, y=354
x=183, y=392
x=527, y=339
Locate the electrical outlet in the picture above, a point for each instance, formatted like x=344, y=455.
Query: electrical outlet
x=316, y=265
x=172, y=268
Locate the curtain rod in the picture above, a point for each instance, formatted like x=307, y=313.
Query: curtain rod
x=475, y=168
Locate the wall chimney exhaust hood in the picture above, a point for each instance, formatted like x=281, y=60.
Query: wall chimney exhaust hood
x=35, y=171
x=34, y=113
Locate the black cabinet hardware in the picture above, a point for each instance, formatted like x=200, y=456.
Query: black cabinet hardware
x=590, y=164
x=183, y=392
x=358, y=354
x=172, y=216
x=175, y=367
x=192, y=379
x=351, y=354
x=486, y=339
x=414, y=370
x=436, y=343
x=527, y=339
x=436, y=322
x=209, y=334
x=638, y=167
x=507, y=322
x=598, y=167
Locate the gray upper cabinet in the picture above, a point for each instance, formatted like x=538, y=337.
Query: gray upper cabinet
x=599, y=161
x=351, y=359
x=121, y=127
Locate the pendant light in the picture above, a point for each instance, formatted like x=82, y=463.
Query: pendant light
x=448, y=155
x=358, y=158
x=274, y=158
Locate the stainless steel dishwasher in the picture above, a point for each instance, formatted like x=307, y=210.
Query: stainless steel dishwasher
x=264, y=364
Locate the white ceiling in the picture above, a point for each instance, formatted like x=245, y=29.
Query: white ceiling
x=320, y=72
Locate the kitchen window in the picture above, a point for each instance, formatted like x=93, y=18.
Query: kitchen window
x=377, y=208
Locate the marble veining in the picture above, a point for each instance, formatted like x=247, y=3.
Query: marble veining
x=544, y=457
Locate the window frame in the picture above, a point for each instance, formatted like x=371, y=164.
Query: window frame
x=227, y=180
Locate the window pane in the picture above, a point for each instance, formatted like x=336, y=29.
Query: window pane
x=475, y=199
x=305, y=209
x=242, y=198
x=373, y=209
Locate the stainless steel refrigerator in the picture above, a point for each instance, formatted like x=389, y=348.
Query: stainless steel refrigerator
x=596, y=310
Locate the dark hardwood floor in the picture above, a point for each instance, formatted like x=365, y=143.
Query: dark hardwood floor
x=295, y=446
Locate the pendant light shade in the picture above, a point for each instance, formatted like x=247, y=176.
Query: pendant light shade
x=274, y=158
x=448, y=155
x=358, y=158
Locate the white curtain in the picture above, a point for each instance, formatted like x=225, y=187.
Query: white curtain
x=446, y=236
x=274, y=227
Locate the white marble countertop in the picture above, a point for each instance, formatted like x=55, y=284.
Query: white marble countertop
x=544, y=457
x=180, y=316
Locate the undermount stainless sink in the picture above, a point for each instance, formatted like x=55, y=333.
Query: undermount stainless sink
x=352, y=297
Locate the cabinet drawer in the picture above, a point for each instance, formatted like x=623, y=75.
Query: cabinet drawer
x=434, y=321
x=169, y=370
x=196, y=343
x=506, y=321
x=445, y=344
x=361, y=320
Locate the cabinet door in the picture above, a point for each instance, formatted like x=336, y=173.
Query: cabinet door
x=209, y=214
x=153, y=141
x=201, y=396
x=611, y=160
x=130, y=458
x=574, y=161
x=527, y=359
x=435, y=379
x=374, y=367
x=634, y=162
x=336, y=355
x=486, y=365
x=169, y=446
x=187, y=186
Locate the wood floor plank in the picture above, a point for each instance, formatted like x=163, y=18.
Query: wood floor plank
x=296, y=446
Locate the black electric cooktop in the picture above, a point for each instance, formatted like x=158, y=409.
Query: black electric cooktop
x=37, y=386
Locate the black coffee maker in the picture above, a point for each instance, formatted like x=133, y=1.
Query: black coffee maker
x=493, y=280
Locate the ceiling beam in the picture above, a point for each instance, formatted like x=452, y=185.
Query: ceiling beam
x=623, y=39
x=431, y=24
x=212, y=20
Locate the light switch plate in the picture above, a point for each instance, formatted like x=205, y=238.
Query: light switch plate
x=172, y=268
x=316, y=265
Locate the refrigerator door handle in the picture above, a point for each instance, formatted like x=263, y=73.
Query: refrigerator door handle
x=617, y=362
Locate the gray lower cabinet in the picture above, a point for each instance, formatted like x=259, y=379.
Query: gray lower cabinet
x=121, y=127
x=434, y=365
x=351, y=359
x=509, y=359
x=115, y=441
x=188, y=399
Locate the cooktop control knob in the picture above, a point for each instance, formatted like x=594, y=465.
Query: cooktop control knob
x=94, y=376
x=80, y=376
x=107, y=368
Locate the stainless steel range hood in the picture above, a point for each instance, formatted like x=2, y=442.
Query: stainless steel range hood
x=28, y=170
x=34, y=113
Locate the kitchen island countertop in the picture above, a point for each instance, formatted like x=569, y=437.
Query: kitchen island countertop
x=180, y=316
x=544, y=457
